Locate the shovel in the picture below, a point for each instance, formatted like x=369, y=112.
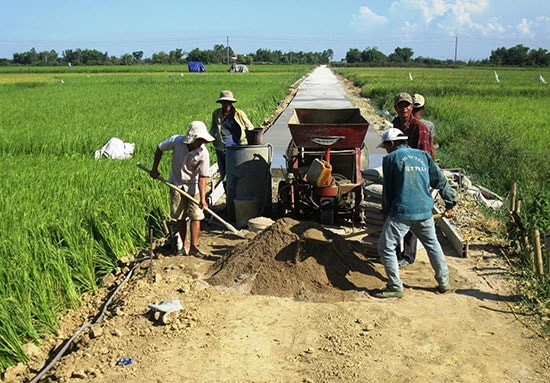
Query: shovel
x=230, y=227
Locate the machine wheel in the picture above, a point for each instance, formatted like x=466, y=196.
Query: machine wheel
x=326, y=214
x=283, y=200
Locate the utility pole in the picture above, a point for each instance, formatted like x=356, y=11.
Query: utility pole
x=456, y=48
x=227, y=50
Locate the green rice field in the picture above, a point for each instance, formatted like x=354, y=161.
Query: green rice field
x=67, y=218
x=496, y=131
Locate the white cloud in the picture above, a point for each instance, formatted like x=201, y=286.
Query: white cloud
x=523, y=28
x=453, y=17
x=542, y=24
x=455, y=14
x=367, y=18
x=476, y=6
x=481, y=24
x=489, y=28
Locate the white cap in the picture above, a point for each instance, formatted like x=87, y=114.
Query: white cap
x=197, y=129
x=418, y=101
x=392, y=134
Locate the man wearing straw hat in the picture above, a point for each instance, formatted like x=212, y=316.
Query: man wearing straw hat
x=190, y=170
x=228, y=127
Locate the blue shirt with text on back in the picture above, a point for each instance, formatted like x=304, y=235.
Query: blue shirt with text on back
x=408, y=175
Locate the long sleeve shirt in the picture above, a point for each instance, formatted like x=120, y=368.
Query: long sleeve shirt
x=240, y=119
x=408, y=175
x=418, y=134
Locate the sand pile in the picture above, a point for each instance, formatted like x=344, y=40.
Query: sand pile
x=295, y=259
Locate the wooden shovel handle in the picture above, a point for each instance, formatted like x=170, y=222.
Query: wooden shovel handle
x=192, y=199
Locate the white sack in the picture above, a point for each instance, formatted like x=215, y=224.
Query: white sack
x=116, y=149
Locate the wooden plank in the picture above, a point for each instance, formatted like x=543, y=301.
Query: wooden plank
x=217, y=190
x=448, y=230
x=452, y=235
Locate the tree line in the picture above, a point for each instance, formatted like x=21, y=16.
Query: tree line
x=220, y=54
x=515, y=56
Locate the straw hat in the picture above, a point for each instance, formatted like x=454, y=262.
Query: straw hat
x=226, y=95
x=197, y=129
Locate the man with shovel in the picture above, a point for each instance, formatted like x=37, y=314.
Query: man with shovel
x=407, y=203
x=190, y=169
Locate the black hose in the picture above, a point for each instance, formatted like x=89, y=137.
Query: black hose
x=84, y=327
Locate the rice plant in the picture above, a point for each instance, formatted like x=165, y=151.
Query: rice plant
x=67, y=217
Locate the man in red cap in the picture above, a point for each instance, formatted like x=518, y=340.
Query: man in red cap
x=418, y=138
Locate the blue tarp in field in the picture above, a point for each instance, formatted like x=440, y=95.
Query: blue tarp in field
x=196, y=66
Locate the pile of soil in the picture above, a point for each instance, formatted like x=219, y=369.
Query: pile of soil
x=301, y=260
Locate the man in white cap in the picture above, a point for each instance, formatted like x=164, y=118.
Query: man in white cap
x=228, y=127
x=419, y=103
x=419, y=138
x=190, y=170
x=407, y=203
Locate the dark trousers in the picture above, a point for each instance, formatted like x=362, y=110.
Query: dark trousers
x=221, y=164
x=409, y=247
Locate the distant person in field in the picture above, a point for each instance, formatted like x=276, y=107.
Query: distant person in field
x=419, y=103
x=418, y=138
x=190, y=170
x=228, y=127
x=407, y=203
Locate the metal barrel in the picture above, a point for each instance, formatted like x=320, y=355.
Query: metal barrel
x=248, y=178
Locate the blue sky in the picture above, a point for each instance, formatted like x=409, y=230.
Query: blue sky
x=429, y=27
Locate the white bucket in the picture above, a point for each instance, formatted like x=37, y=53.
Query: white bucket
x=258, y=224
x=244, y=210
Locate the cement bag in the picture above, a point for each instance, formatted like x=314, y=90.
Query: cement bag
x=373, y=174
x=374, y=206
x=374, y=191
x=375, y=218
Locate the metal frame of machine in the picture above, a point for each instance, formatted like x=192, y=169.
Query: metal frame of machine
x=331, y=140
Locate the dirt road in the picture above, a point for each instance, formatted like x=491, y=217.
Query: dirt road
x=304, y=318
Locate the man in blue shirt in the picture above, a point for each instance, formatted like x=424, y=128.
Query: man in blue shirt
x=407, y=203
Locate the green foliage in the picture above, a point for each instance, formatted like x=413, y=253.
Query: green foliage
x=67, y=218
x=537, y=213
x=535, y=293
x=220, y=54
x=515, y=56
x=493, y=130
x=496, y=131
